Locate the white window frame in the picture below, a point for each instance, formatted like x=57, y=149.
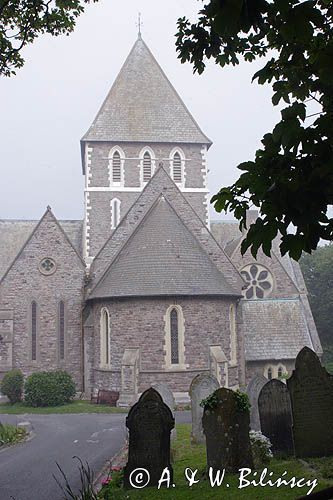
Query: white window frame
x=144, y=150
x=104, y=349
x=182, y=159
x=115, y=205
x=117, y=149
x=181, y=365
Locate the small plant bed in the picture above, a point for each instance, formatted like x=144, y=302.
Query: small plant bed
x=194, y=456
x=10, y=434
x=77, y=406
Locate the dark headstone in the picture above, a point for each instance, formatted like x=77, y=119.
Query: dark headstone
x=253, y=390
x=202, y=386
x=226, y=427
x=275, y=417
x=168, y=398
x=149, y=423
x=311, y=394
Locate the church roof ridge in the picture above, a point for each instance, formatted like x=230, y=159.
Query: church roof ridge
x=143, y=106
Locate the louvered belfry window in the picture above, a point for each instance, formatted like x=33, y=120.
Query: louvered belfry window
x=33, y=331
x=174, y=337
x=147, y=164
x=62, y=329
x=177, y=168
x=116, y=167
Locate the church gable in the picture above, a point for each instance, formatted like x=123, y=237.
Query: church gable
x=161, y=183
x=162, y=257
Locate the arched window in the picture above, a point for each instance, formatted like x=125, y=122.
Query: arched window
x=33, y=331
x=116, y=167
x=61, y=330
x=105, y=338
x=146, y=167
x=177, y=173
x=280, y=372
x=233, y=335
x=269, y=373
x=115, y=213
x=174, y=337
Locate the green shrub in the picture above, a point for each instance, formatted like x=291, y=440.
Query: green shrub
x=49, y=389
x=12, y=385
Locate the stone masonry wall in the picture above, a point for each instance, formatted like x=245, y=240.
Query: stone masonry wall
x=25, y=283
x=206, y=323
x=99, y=192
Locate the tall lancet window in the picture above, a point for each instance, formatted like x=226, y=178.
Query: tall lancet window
x=116, y=168
x=146, y=167
x=33, y=331
x=174, y=334
x=115, y=213
x=61, y=330
x=105, y=338
x=177, y=173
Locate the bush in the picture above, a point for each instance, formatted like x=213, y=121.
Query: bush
x=49, y=389
x=261, y=449
x=12, y=385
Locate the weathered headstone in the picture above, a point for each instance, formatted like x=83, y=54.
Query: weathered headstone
x=167, y=396
x=253, y=390
x=275, y=417
x=149, y=423
x=202, y=386
x=311, y=394
x=226, y=425
x=165, y=393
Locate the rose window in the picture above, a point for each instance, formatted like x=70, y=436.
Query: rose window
x=47, y=266
x=259, y=281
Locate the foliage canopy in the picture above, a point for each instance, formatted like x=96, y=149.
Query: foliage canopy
x=21, y=21
x=291, y=178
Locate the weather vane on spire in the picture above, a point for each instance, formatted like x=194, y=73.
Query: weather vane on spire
x=139, y=24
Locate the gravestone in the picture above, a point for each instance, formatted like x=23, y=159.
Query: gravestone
x=166, y=394
x=201, y=386
x=276, y=418
x=168, y=399
x=311, y=394
x=149, y=423
x=226, y=427
x=253, y=390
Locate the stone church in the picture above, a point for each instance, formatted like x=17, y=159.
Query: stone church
x=146, y=288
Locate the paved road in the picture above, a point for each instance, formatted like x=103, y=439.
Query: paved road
x=26, y=470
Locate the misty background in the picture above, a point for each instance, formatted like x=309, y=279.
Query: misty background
x=47, y=107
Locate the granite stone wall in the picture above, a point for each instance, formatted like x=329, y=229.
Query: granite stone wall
x=24, y=283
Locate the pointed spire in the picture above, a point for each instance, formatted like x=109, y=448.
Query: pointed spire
x=143, y=106
x=139, y=24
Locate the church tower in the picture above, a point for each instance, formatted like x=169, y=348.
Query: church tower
x=142, y=124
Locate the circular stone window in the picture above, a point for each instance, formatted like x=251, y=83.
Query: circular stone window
x=259, y=281
x=47, y=266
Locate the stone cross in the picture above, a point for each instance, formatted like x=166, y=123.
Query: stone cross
x=276, y=418
x=311, y=394
x=149, y=423
x=201, y=386
x=226, y=426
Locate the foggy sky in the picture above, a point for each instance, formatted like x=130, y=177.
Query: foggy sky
x=47, y=107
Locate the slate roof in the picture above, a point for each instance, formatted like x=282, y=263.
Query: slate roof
x=274, y=329
x=14, y=234
x=143, y=106
x=162, y=257
x=225, y=232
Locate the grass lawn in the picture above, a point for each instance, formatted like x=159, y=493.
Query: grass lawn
x=194, y=456
x=77, y=406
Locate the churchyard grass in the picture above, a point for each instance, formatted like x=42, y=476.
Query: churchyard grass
x=194, y=456
x=10, y=434
x=77, y=406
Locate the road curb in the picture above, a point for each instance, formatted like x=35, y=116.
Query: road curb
x=118, y=460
